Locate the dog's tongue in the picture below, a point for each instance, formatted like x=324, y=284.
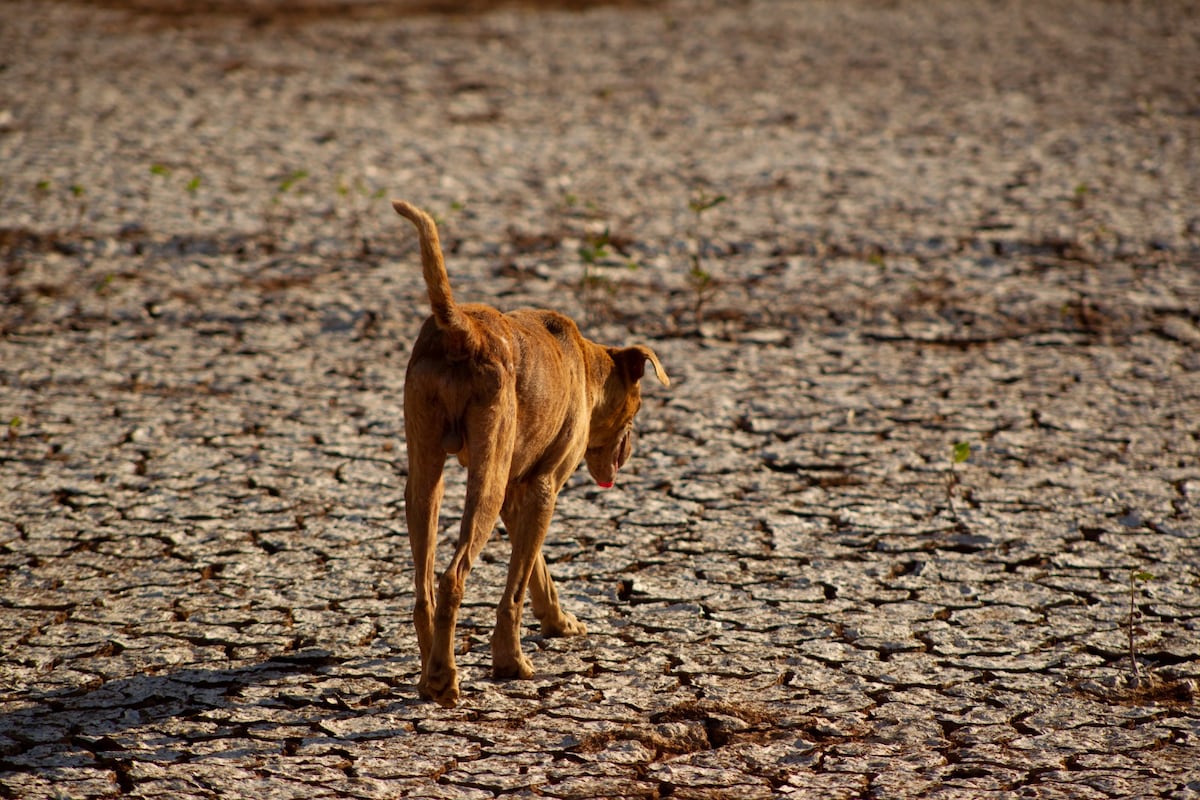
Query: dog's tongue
x=608, y=484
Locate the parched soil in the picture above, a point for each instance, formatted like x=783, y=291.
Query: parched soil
x=917, y=517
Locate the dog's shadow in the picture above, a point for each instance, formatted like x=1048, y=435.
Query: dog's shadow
x=228, y=712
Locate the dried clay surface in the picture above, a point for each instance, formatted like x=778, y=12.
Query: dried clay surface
x=923, y=492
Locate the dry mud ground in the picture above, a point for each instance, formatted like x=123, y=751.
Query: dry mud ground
x=943, y=222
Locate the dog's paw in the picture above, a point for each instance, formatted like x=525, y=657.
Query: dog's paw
x=440, y=688
x=518, y=666
x=563, y=624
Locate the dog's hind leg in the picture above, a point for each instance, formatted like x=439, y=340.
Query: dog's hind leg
x=489, y=439
x=544, y=599
x=527, y=512
x=422, y=502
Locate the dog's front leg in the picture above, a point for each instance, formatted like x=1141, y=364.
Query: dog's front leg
x=527, y=512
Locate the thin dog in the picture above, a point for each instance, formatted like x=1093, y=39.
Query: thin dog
x=521, y=398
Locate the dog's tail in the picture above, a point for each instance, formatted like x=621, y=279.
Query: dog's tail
x=437, y=281
x=462, y=338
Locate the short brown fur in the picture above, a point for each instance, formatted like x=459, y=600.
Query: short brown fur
x=520, y=398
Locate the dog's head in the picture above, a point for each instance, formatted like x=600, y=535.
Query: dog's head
x=610, y=440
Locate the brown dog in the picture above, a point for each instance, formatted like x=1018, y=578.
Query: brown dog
x=521, y=398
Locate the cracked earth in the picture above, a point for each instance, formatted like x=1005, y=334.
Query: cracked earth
x=918, y=515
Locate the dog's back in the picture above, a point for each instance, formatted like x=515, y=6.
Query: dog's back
x=535, y=351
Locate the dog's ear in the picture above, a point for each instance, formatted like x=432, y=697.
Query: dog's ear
x=631, y=361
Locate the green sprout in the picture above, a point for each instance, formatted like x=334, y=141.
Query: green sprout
x=960, y=452
x=700, y=279
x=352, y=192
x=595, y=248
x=1080, y=194
x=701, y=202
x=276, y=222
x=192, y=187
x=78, y=192
x=592, y=251
x=1135, y=577
x=294, y=177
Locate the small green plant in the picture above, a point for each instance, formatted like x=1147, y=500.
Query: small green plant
x=192, y=187
x=1080, y=195
x=700, y=279
x=960, y=452
x=702, y=202
x=595, y=287
x=41, y=193
x=79, y=194
x=355, y=194
x=14, y=427
x=456, y=207
x=294, y=177
x=1135, y=577
x=594, y=250
x=277, y=220
x=158, y=171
